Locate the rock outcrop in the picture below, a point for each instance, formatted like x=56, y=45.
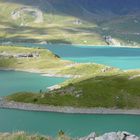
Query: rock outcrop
x=112, y=41
x=111, y=136
x=34, y=12
x=19, y=55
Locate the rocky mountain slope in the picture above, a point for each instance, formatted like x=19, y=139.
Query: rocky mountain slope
x=71, y=21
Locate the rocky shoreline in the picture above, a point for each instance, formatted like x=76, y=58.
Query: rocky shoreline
x=40, y=72
x=78, y=44
x=93, y=136
x=112, y=136
x=4, y=104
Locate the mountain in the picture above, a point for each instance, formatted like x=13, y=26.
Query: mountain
x=97, y=22
x=119, y=7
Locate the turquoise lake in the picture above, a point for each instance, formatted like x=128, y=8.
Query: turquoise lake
x=121, y=57
x=15, y=81
x=73, y=124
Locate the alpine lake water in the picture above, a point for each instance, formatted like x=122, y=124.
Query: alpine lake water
x=121, y=57
x=73, y=124
x=15, y=81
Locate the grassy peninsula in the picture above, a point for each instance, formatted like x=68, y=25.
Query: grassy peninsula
x=44, y=61
x=95, y=85
x=112, y=91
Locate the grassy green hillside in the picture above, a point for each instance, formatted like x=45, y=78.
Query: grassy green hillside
x=120, y=90
x=46, y=62
x=53, y=29
x=69, y=22
x=96, y=85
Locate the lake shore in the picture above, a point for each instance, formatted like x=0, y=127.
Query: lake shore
x=92, y=45
x=77, y=45
x=59, y=109
x=40, y=72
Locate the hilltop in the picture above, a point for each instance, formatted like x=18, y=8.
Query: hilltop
x=70, y=21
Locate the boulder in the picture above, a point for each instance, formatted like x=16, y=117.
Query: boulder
x=108, y=136
x=89, y=137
